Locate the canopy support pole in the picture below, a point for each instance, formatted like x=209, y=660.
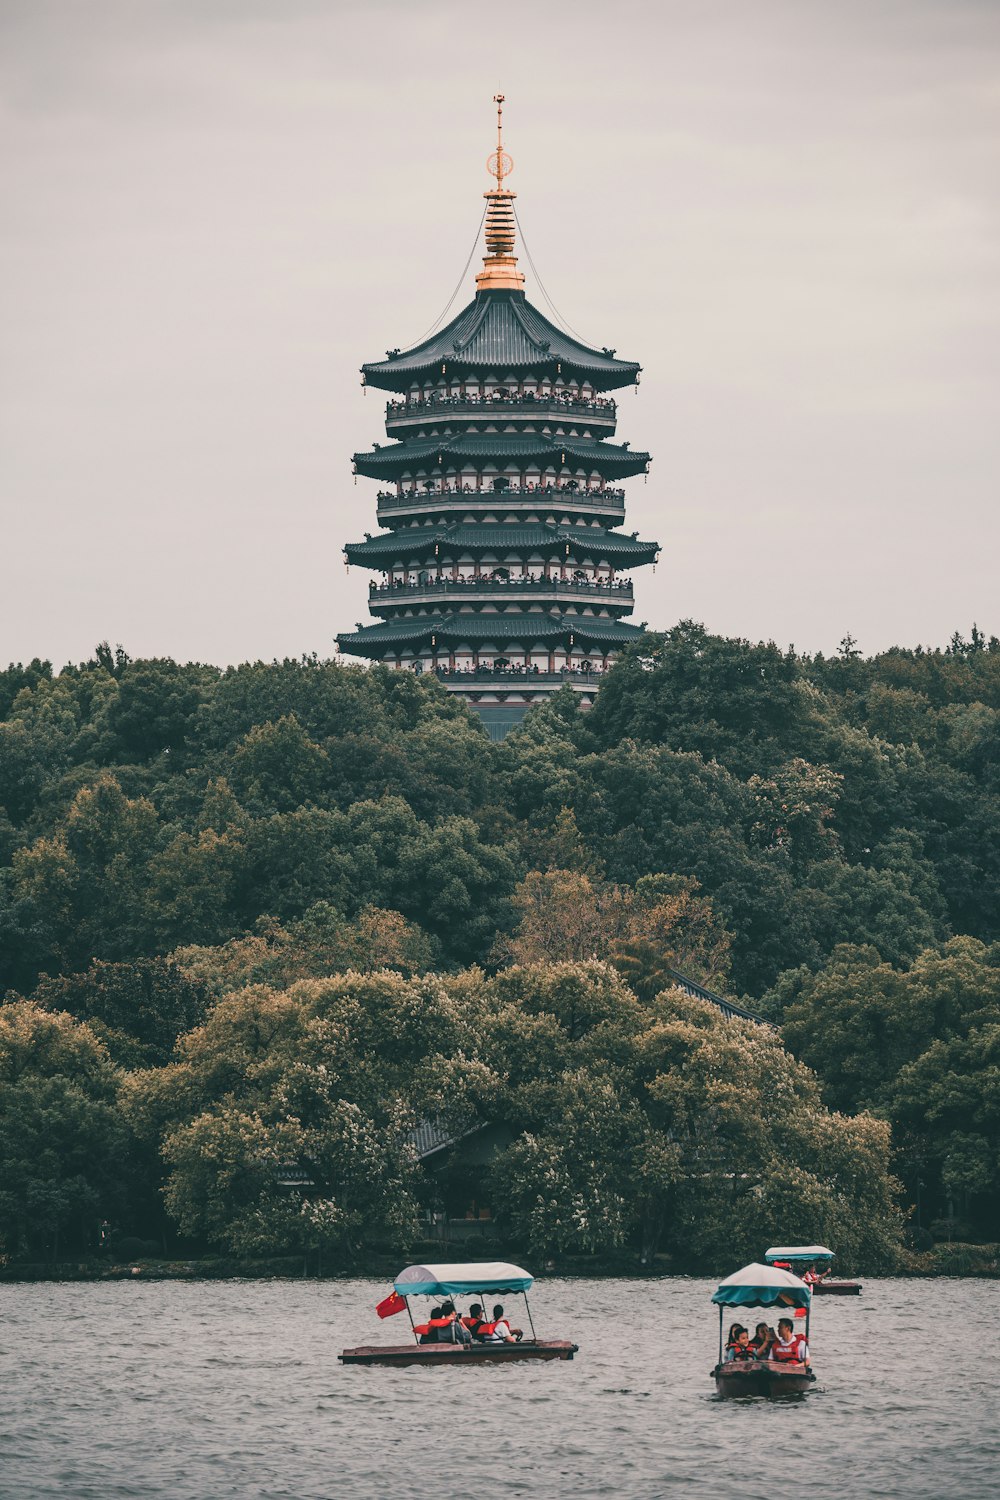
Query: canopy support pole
x=416, y=1336
x=531, y=1325
x=720, y=1333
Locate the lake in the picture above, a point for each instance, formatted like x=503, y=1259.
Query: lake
x=218, y=1389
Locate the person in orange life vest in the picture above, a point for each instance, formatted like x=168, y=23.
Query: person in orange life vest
x=427, y=1332
x=789, y=1345
x=474, y=1322
x=738, y=1345
x=502, y=1330
x=814, y=1274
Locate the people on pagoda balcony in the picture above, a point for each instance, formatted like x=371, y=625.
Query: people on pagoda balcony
x=570, y=397
x=579, y=580
x=498, y=484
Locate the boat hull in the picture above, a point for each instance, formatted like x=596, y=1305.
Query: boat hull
x=762, y=1378
x=456, y=1356
x=837, y=1289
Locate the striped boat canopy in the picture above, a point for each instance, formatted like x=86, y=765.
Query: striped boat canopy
x=797, y=1252
x=762, y=1286
x=459, y=1280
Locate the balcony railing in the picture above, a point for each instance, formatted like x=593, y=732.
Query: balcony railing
x=542, y=495
x=619, y=591
x=515, y=676
x=596, y=406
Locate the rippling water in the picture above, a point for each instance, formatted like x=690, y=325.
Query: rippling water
x=219, y=1389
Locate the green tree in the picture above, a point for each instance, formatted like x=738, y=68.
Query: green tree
x=62, y=1143
x=278, y=768
x=138, y=1009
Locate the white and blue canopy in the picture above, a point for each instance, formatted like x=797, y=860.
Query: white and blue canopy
x=462, y=1279
x=797, y=1252
x=762, y=1286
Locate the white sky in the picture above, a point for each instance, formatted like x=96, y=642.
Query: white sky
x=214, y=210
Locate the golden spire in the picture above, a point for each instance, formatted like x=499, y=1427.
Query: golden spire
x=500, y=271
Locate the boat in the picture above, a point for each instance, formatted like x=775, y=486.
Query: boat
x=817, y=1260
x=762, y=1286
x=493, y=1278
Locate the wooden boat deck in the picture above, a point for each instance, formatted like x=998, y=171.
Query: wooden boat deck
x=451, y=1356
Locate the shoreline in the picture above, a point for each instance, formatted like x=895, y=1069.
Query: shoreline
x=968, y=1262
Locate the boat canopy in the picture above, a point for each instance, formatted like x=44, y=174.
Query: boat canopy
x=461, y=1279
x=762, y=1286
x=797, y=1252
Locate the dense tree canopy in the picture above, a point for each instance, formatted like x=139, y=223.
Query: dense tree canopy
x=818, y=837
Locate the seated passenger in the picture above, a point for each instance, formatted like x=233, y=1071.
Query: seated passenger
x=789, y=1346
x=738, y=1344
x=501, y=1331
x=815, y=1273
x=427, y=1332
x=474, y=1321
x=762, y=1340
x=452, y=1331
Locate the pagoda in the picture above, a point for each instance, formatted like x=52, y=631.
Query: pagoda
x=501, y=566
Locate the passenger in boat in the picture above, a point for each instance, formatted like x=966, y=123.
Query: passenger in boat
x=738, y=1344
x=815, y=1274
x=498, y=1330
x=474, y=1322
x=502, y=1327
x=453, y=1330
x=762, y=1340
x=427, y=1332
x=789, y=1345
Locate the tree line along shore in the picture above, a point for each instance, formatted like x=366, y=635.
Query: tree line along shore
x=299, y=968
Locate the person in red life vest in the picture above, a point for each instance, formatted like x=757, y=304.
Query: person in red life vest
x=814, y=1274
x=738, y=1344
x=762, y=1340
x=789, y=1345
x=428, y=1332
x=474, y=1322
x=502, y=1332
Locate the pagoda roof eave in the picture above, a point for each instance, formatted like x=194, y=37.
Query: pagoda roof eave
x=455, y=629
x=613, y=460
x=410, y=540
x=500, y=331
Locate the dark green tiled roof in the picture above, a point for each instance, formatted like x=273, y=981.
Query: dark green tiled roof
x=584, y=540
x=611, y=459
x=497, y=332
x=454, y=628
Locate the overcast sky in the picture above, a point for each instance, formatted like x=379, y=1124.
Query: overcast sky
x=214, y=210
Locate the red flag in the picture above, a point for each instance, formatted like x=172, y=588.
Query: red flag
x=390, y=1305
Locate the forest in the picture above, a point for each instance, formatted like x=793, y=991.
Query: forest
x=258, y=925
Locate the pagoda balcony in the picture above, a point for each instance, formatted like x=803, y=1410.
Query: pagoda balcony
x=405, y=416
x=520, y=498
x=515, y=676
x=534, y=590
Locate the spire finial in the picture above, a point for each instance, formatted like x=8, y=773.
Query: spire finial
x=499, y=163
x=500, y=271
